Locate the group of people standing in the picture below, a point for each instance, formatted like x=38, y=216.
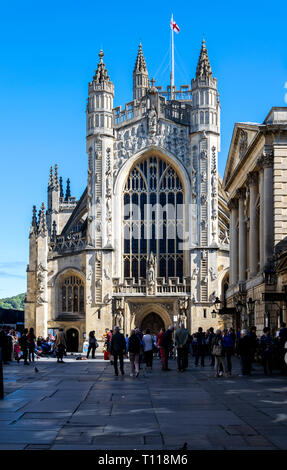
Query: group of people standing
x=219, y=346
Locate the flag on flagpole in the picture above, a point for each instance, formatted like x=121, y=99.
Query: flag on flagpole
x=174, y=26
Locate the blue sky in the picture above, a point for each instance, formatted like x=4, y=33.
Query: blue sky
x=49, y=51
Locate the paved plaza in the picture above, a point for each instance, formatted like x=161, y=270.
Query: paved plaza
x=82, y=405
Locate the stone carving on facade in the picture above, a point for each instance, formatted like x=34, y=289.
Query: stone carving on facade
x=41, y=277
x=212, y=297
x=243, y=142
x=203, y=254
x=203, y=199
x=151, y=270
x=213, y=273
x=161, y=134
x=152, y=121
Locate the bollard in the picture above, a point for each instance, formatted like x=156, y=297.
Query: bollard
x=1, y=377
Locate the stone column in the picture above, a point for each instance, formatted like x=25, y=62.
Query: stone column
x=233, y=207
x=241, y=193
x=261, y=214
x=252, y=179
x=268, y=240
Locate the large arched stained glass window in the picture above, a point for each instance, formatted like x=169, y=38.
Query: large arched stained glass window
x=153, y=219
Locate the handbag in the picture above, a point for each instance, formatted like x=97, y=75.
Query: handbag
x=217, y=350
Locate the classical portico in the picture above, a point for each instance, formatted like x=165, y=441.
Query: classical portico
x=254, y=179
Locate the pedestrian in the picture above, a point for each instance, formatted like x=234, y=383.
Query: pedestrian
x=165, y=344
x=283, y=348
x=61, y=345
x=218, y=353
x=200, y=347
x=148, y=346
x=31, y=338
x=127, y=343
x=159, y=339
x=245, y=352
x=24, y=346
x=266, y=348
x=134, y=353
x=181, y=337
x=253, y=342
x=93, y=344
x=228, y=349
x=209, y=341
x=118, y=349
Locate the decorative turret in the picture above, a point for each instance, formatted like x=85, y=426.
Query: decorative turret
x=205, y=99
x=42, y=227
x=68, y=190
x=61, y=187
x=53, y=197
x=140, y=76
x=34, y=224
x=203, y=69
x=100, y=102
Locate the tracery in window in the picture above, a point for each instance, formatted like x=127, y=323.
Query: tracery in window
x=153, y=219
x=72, y=295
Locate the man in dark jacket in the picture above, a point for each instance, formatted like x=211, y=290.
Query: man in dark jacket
x=200, y=347
x=165, y=345
x=283, y=347
x=118, y=349
x=24, y=346
x=245, y=352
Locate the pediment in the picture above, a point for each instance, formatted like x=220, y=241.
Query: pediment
x=243, y=135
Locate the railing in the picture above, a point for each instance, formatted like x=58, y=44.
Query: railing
x=74, y=241
x=172, y=286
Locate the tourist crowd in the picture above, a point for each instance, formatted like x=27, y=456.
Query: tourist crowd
x=16, y=346
x=217, y=347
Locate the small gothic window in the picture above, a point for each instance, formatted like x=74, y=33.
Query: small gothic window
x=72, y=295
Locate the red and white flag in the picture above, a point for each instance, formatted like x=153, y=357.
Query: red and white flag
x=174, y=26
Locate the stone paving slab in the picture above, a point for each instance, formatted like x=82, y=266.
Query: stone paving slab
x=82, y=405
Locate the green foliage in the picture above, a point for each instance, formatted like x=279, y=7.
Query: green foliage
x=16, y=302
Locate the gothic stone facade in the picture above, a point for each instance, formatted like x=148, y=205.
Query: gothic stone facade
x=255, y=178
x=147, y=244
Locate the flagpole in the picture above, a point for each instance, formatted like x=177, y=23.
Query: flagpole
x=172, y=63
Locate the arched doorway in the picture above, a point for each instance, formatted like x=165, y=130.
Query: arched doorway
x=152, y=321
x=72, y=337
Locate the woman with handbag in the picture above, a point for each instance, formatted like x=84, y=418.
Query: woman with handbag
x=218, y=353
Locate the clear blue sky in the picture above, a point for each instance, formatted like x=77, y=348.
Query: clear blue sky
x=49, y=51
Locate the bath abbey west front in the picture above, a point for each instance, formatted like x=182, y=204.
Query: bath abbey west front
x=147, y=243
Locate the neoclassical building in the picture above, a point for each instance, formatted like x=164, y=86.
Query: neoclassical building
x=256, y=181
x=147, y=243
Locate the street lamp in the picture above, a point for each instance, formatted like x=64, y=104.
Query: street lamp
x=213, y=313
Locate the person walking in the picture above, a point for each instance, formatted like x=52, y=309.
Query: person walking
x=200, y=347
x=266, y=348
x=93, y=344
x=181, y=337
x=134, y=353
x=148, y=349
x=160, y=350
x=228, y=349
x=218, y=353
x=165, y=344
x=24, y=346
x=118, y=349
x=60, y=345
x=245, y=352
x=31, y=338
x=209, y=341
x=283, y=348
